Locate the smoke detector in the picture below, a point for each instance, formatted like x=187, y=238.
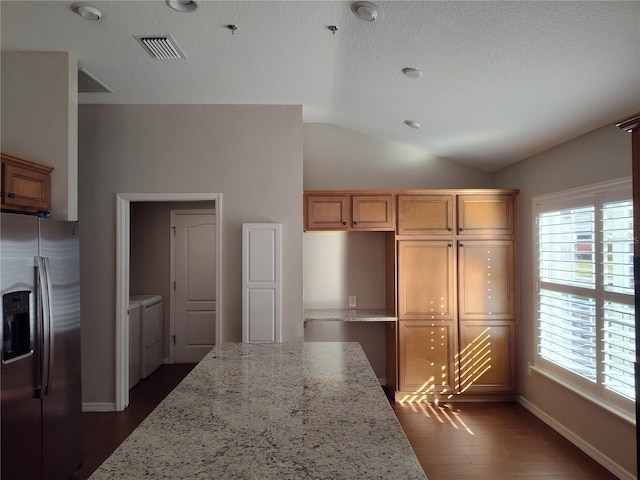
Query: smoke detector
x=366, y=11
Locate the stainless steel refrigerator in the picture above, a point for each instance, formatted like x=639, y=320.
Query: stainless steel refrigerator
x=40, y=411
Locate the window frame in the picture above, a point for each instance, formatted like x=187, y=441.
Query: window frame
x=596, y=194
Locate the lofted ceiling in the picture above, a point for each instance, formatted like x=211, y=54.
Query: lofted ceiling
x=500, y=81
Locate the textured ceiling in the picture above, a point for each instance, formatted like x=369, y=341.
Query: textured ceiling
x=502, y=80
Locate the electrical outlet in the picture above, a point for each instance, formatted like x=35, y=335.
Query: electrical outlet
x=352, y=302
x=529, y=368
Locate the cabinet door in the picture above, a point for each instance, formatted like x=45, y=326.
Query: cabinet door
x=487, y=357
x=373, y=212
x=486, y=280
x=427, y=357
x=425, y=214
x=326, y=212
x=486, y=214
x=426, y=280
x=25, y=189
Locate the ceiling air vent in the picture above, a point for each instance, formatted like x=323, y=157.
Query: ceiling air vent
x=87, y=83
x=163, y=47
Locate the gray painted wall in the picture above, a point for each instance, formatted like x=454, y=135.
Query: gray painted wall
x=250, y=154
x=604, y=154
x=337, y=158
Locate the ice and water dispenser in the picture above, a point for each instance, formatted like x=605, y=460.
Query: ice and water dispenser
x=16, y=338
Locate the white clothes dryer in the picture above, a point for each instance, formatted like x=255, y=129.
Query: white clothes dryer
x=151, y=321
x=134, y=344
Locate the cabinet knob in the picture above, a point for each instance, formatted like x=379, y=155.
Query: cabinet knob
x=344, y=223
x=12, y=195
x=450, y=229
x=355, y=223
x=460, y=229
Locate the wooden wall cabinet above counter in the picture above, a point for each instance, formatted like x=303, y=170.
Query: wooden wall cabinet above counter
x=346, y=211
x=467, y=212
x=25, y=185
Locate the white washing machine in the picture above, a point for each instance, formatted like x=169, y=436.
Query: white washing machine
x=151, y=320
x=134, y=344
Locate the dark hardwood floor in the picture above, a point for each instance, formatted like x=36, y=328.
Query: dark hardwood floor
x=492, y=441
x=489, y=441
x=104, y=431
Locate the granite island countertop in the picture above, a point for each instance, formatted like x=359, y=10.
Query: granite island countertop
x=271, y=411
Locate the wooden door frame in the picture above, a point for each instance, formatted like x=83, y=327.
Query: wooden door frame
x=123, y=233
x=172, y=276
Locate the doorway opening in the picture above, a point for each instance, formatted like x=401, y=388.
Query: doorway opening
x=123, y=245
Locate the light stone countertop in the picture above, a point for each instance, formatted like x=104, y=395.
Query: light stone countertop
x=348, y=315
x=271, y=411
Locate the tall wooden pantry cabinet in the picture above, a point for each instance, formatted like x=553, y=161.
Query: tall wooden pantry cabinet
x=457, y=329
x=453, y=286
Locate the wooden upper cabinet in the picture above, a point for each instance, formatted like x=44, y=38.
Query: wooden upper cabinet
x=425, y=214
x=480, y=214
x=419, y=212
x=350, y=212
x=373, y=212
x=25, y=185
x=326, y=212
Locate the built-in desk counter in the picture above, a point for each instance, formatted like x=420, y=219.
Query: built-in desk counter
x=270, y=411
x=348, y=315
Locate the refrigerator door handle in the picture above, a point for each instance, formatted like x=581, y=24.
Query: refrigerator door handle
x=39, y=328
x=44, y=327
x=49, y=333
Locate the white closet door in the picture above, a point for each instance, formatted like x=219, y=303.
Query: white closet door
x=261, y=282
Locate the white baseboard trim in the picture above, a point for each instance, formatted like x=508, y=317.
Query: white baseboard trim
x=587, y=448
x=98, y=407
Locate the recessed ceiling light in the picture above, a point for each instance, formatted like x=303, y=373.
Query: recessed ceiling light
x=88, y=12
x=413, y=124
x=183, y=5
x=366, y=11
x=412, y=72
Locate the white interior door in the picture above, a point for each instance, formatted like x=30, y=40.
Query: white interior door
x=194, y=285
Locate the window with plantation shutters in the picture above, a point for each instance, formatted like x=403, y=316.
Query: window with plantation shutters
x=618, y=319
x=584, y=310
